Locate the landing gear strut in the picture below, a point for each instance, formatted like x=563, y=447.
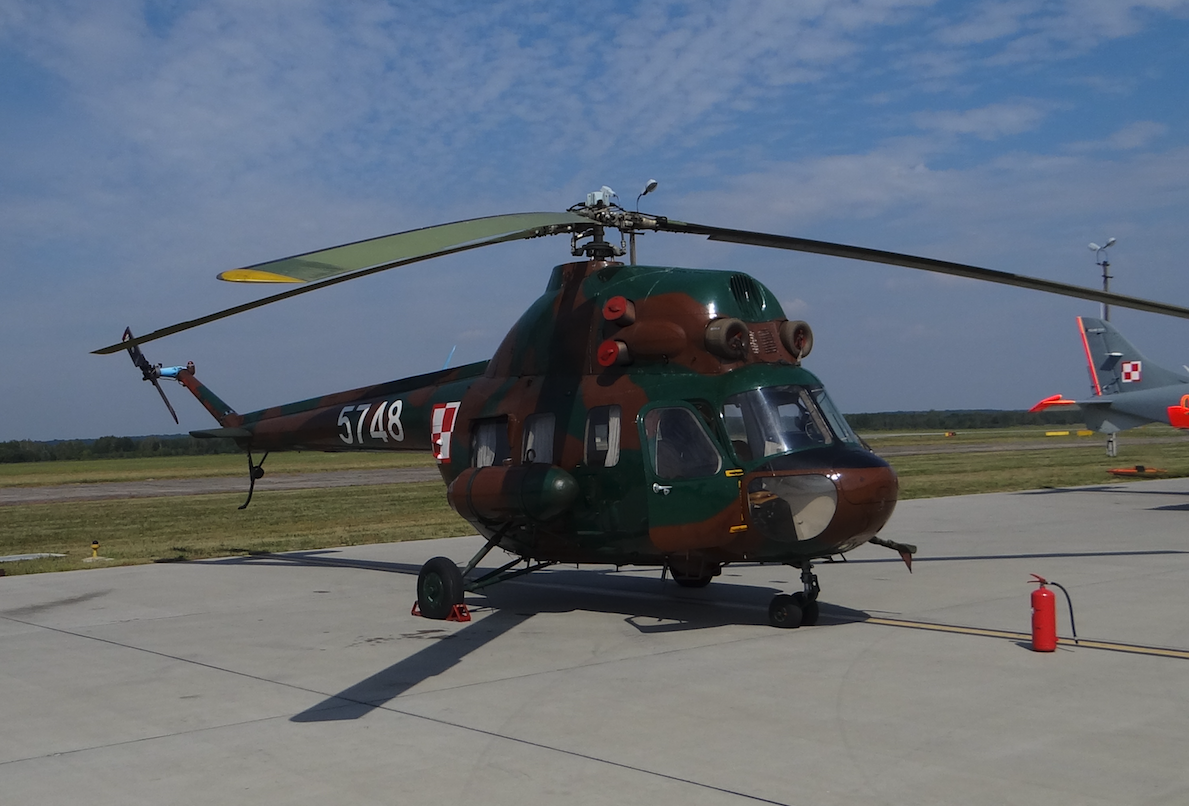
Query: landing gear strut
x=441, y=585
x=801, y=608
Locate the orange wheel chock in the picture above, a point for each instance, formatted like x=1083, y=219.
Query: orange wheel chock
x=460, y=612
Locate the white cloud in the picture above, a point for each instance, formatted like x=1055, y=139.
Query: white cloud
x=987, y=22
x=151, y=152
x=987, y=123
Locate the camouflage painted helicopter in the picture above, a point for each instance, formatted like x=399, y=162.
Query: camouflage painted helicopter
x=634, y=415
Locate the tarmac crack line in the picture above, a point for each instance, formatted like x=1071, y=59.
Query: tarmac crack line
x=586, y=756
x=139, y=739
x=351, y=701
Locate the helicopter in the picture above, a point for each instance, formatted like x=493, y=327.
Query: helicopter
x=634, y=415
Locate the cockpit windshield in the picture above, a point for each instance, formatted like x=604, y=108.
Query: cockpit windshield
x=782, y=419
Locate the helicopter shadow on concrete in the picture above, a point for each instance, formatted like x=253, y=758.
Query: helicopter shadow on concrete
x=638, y=596
x=647, y=603
x=322, y=557
x=651, y=604
x=438, y=657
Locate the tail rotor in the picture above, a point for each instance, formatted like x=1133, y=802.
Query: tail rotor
x=151, y=372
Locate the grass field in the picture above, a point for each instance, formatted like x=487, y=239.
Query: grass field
x=143, y=530
x=935, y=475
x=132, y=531
x=37, y=474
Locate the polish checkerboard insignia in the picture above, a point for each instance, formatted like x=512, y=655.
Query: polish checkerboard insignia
x=442, y=427
x=1132, y=371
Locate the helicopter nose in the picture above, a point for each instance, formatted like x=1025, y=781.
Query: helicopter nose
x=875, y=483
x=870, y=495
x=829, y=507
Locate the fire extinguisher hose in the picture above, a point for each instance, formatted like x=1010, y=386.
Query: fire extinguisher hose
x=1069, y=602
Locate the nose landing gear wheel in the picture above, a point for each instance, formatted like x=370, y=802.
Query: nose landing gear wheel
x=439, y=588
x=809, y=609
x=784, y=612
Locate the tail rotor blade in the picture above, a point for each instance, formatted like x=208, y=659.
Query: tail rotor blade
x=161, y=392
x=150, y=372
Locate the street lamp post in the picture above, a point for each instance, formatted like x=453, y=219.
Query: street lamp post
x=1112, y=439
x=1100, y=259
x=648, y=188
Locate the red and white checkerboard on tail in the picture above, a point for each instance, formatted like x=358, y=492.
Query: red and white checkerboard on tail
x=1132, y=371
x=442, y=427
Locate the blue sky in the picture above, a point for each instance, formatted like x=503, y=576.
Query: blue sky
x=149, y=145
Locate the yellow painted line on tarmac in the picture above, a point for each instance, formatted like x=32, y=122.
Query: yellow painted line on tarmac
x=1134, y=649
x=1109, y=646
x=924, y=625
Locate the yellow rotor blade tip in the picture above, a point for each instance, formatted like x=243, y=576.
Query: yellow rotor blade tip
x=256, y=276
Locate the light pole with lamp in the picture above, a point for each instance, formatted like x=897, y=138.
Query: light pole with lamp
x=648, y=188
x=1100, y=259
x=1112, y=441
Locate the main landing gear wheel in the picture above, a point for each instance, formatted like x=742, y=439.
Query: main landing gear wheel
x=439, y=588
x=692, y=582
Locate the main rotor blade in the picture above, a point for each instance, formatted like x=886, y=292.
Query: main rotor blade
x=401, y=246
x=923, y=263
x=539, y=224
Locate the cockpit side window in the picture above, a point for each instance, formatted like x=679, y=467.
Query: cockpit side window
x=780, y=419
x=838, y=423
x=678, y=445
x=732, y=418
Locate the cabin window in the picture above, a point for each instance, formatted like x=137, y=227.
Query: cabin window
x=489, y=444
x=678, y=444
x=538, y=439
x=602, y=436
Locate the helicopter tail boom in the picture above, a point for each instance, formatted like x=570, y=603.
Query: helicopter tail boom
x=153, y=373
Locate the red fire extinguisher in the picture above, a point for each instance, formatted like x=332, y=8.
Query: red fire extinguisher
x=1044, y=616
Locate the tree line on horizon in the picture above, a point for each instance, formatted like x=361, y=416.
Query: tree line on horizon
x=112, y=447
x=25, y=450
x=960, y=420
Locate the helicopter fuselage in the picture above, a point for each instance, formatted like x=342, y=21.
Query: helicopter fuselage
x=633, y=415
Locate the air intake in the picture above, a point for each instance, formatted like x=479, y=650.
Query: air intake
x=748, y=294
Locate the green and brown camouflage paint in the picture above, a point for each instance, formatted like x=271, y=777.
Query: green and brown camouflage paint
x=572, y=510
